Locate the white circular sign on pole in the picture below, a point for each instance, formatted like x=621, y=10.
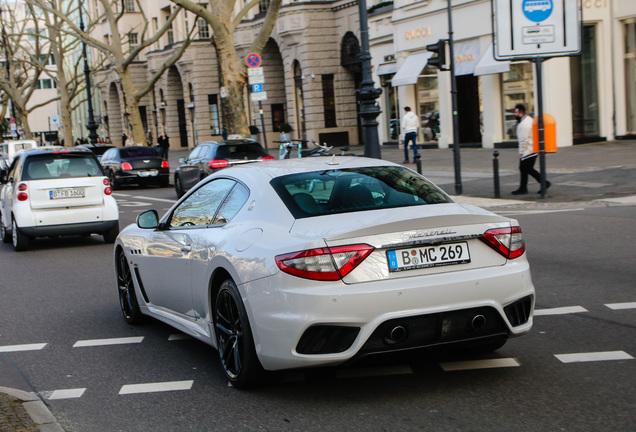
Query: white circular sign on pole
x=525, y=29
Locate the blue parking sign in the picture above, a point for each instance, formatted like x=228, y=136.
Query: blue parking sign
x=257, y=88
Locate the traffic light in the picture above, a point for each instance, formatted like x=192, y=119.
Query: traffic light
x=438, y=61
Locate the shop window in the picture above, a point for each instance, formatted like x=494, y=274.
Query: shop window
x=630, y=75
x=584, y=89
x=517, y=88
x=329, y=100
x=428, y=102
x=215, y=124
x=391, y=107
x=278, y=116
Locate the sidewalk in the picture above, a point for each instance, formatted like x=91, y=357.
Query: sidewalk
x=595, y=174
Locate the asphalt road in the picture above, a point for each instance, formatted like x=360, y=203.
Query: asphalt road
x=574, y=372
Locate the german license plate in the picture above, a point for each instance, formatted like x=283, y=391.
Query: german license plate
x=428, y=256
x=67, y=193
x=148, y=173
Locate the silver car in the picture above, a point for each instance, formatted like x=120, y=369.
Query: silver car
x=321, y=261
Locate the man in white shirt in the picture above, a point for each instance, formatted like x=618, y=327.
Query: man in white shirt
x=527, y=156
x=410, y=123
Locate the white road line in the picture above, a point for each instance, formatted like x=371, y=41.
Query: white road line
x=593, y=356
x=374, y=372
x=559, y=310
x=113, y=341
x=67, y=394
x=618, y=306
x=156, y=387
x=179, y=336
x=480, y=364
x=23, y=347
x=154, y=199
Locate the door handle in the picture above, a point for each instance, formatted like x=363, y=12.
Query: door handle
x=186, y=248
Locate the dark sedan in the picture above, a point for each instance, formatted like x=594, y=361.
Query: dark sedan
x=211, y=156
x=97, y=149
x=139, y=165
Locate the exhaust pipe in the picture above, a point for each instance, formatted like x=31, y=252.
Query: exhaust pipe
x=395, y=335
x=478, y=322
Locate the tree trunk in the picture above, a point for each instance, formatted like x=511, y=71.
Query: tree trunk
x=132, y=107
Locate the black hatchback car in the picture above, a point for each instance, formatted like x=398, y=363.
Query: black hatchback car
x=139, y=165
x=211, y=156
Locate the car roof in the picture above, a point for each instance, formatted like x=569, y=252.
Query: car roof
x=277, y=168
x=231, y=142
x=55, y=149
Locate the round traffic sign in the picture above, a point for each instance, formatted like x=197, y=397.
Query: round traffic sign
x=537, y=10
x=253, y=60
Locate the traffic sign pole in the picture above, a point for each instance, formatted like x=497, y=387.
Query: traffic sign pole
x=257, y=79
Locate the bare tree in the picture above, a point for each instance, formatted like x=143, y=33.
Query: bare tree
x=223, y=19
x=120, y=53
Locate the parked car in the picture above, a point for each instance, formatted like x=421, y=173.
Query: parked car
x=139, y=165
x=97, y=149
x=211, y=156
x=56, y=191
x=9, y=149
x=322, y=261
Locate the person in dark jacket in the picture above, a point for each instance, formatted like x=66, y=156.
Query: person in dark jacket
x=164, y=144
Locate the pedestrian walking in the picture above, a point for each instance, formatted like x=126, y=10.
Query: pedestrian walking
x=124, y=137
x=130, y=142
x=527, y=155
x=410, y=124
x=164, y=145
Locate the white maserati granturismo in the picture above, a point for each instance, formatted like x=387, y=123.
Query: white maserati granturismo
x=323, y=261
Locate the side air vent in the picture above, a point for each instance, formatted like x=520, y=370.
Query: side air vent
x=518, y=313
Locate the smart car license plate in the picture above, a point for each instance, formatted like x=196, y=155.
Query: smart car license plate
x=428, y=256
x=66, y=193
x=149, y=173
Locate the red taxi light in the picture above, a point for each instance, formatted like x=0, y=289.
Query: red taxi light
x=507, y=241
x=326, y=264
x=126, y=166
x=218, y=163
x=22, y=196
x=270, y=157
x=164, y=164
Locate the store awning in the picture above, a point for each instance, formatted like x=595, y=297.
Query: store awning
x=387, y=69
x=411, y=69
x=487, y=64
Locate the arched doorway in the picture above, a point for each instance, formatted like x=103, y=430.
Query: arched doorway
x=300, y=101
x=176, y=124
x=275, y=106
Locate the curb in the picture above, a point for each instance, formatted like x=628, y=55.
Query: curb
x=37, y=410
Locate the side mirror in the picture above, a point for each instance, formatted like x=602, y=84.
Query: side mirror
x=182, y=160
x=148, y=219
x=3, y=176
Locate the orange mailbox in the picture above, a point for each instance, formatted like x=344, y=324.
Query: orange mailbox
x=549, y=134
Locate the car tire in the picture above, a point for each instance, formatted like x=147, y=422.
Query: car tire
x=235, y=342
x=4, y=232
x=20, y=240
x=178, y=186
x=111, y=235
x=126, y=290
x=114, y=184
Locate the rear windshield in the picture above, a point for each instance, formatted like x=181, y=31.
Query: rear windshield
x=137, y=152
x=345, y=190
x=60, y=165
x=241, y=151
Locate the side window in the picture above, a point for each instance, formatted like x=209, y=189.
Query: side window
x=108, y=155
x=201, y=206
x=195, y=153
x=232, y=204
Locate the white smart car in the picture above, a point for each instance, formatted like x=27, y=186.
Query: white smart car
x=56, y=191
x=322, y=261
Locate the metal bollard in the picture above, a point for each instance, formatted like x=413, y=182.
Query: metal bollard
x=418, y=163
x=495, y=168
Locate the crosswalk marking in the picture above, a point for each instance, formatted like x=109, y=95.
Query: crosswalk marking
x=23, y=347
x=156, y=387
x=67, y=394
x=111, y=341
x=593, y=356
x=618, y=306
x=559, y=310
x=480, y=364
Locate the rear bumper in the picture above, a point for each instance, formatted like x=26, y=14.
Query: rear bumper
x=69, y=229
x=137, y=176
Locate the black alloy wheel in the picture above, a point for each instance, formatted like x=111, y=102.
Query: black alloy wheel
x=126, y=288
x=234, y=338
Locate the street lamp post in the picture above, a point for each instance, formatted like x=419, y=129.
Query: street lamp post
x=91, y=126
x=367, y=94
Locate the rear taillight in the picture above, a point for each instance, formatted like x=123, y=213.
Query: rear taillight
x=108, y=191
x=269, y=158
x=106, y=181
x=22, y=187
x=164, y=164
x=22, y=196
x=327, y=264
x=218, y=163
x=126, y=166
x=507, y=241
